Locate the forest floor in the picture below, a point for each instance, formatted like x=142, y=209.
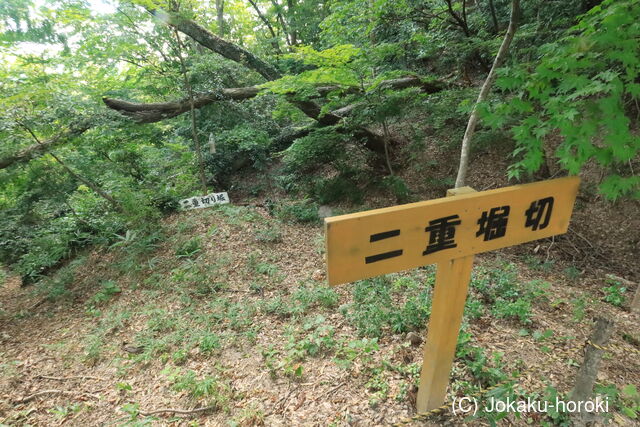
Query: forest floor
x=226, y=309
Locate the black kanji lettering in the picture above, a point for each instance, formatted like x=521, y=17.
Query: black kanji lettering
x=493, y=223
x=536, y=211
x=385, y=255
x=441, y=234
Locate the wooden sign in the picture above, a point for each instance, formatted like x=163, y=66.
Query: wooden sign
x=449, y=232
x=381, y=241
x=207, y=201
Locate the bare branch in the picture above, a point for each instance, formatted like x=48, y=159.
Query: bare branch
x=484, y=92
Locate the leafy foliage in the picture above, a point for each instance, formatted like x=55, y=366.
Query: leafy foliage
x=585, y=90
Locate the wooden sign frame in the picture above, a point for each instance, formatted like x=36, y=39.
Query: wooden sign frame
x=447, y=231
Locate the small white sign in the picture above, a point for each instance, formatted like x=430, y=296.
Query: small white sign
x=207, y=201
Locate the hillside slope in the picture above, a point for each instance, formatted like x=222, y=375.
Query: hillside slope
x=226, y=308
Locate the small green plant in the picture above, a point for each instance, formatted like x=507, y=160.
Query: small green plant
x=541, y=336
x=579, y=308
x=630, y=401
x=614, y=294
x=123, y=387
x=374, y=308
x=108, y=289
x=210, y=388
x=62, y=412
x=572, y=273
x=209, y=342
x=269, y=355
x=350, y=351
x=266, y=269
x=56, y=288
x=322, y=296
x=190, y=248
x=519, y=309
x=269, y=235
x=474, y=309
x=379, y=386
x=337, y=188
x=398, y=187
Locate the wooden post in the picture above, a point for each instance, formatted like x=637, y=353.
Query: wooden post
x=635, y=304
x=449, y=296
x=588, y=372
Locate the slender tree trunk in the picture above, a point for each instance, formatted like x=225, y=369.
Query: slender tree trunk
x=274, y=36
x=92, y=185
x=283, y=23
x=194, y=130
x=484, y=92
x=387, y=138
x=220, y=16
x=291, y=7
x=41, y=147
x=635, y=304
x=494, y=18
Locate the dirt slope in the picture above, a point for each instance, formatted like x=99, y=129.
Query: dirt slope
x=227, y=310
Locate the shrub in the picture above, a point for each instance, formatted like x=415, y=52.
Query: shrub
x=321, y=147
x=236, y=148
x=301, y=212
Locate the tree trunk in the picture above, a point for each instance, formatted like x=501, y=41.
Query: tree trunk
x=283, y=23
x=155, y=112
x=484, y=92
x=41, y=148
x=194, y=130
x=274, y=37
x=242, y=56
x=492, y=9
x=220, y=16
x=220, y=46
x=92, y=185
x=291, y=6
x=70, y=171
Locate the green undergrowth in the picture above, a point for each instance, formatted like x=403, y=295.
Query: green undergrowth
x=184, y=310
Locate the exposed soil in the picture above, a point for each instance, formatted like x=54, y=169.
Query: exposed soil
x=43, y=344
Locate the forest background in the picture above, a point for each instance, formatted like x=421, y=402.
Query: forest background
x=114, y=302
x=112, y=112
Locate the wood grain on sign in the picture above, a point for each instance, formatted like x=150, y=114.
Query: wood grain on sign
x=381, y=241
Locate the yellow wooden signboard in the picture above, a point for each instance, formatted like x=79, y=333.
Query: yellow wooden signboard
x=449, y=232
x=381, y=241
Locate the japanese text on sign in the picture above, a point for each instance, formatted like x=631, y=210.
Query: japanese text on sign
x=367, y=244
x=207, y=201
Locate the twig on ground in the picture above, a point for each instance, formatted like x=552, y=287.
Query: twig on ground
x=46, y=392
x=553, y=240
x=178, y=411
x=583, y=238
x=78, y=377
x=330, y=391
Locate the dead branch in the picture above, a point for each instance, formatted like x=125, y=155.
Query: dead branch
x=47, y=392
x=178, y=411
x=155, y=112
x=37, y=150
x=484, y=93
x=78, y=377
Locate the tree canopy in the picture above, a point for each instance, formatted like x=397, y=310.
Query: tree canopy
x=114, y=110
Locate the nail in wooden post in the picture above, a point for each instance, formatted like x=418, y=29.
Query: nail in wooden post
x=449, y=296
